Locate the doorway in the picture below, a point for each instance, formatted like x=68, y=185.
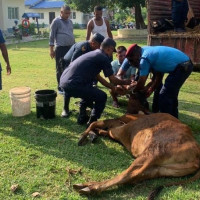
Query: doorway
x=51, y=16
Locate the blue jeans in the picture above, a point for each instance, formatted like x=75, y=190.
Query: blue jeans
x=168, y=98
x=90, y=97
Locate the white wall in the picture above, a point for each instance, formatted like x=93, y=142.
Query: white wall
x=79, y=15
x=4, y=4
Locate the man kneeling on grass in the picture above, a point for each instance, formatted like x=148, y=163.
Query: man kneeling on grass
x=122, y=61
x=77, y=80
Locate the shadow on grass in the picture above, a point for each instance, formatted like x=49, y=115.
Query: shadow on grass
x=59, y=137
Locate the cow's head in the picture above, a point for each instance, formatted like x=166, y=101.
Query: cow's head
x=137, y=102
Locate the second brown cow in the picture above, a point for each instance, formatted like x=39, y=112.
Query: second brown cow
x=161, y=144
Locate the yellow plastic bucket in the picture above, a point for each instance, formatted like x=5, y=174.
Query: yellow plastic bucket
x=20, y=101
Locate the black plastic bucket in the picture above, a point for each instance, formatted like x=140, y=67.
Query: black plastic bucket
x=45, y=103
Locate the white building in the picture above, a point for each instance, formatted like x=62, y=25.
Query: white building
x=49, y=9
x=10, y=10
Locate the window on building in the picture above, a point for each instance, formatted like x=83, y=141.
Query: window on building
x=13, y=13
x=74, y=15
x=41, y=15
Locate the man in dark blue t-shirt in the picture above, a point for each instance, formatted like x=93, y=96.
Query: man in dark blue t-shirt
x=75, y=51
x=80, y=48
x=77, y=80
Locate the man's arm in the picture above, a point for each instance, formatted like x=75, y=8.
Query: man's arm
x=121, y=73
x=52, y=37
x=52, y=52
x=6, y=58
x=117, y=81
x=77, y=53
x=90, y=26
x=104, y=82
x=108, y=29
x=156, y=80
x=140, y=84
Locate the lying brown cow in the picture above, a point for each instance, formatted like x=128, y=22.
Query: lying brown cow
x=161, y=144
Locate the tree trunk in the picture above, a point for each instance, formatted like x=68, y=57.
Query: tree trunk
x=138, y=17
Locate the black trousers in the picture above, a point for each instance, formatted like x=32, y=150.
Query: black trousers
x=90, y=97
x=179, y=12
x=168, y=98
x=60, y=53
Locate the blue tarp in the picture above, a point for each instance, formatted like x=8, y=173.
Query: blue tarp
x=29, y=15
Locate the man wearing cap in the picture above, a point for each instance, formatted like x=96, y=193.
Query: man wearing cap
x=75, y=51
x=122, y=71
x=161, y=59
x=77, y=80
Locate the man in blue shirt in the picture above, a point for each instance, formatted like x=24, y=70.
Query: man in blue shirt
x=161, y=59
x=5, y=56
x=75, y=51
x=77, y=80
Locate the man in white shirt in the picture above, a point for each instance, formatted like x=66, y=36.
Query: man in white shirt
x=98, y=24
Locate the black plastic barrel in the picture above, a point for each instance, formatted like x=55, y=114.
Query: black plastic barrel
x=45, y=103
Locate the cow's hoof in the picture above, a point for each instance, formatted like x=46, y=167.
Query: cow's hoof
x=78, y=186
x=82, y=140
x=92, y=136
x=85, y=191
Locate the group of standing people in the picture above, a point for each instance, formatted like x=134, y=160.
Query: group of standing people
x=82, y=70
x=85, y=60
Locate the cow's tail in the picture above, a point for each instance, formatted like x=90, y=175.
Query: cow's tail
x=157, y=190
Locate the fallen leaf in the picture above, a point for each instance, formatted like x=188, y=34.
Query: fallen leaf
x=14, y=187
x=36, y=194
x=74, y=171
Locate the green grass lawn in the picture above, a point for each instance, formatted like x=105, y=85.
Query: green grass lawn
x=39, y=154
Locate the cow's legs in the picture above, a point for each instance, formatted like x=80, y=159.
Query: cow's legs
x=135, y=173
x=142, y=168
x=101, y=127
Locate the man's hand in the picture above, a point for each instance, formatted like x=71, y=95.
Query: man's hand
x=127, y=82
x=133, y=83
x=52, y=54
x=8, y=68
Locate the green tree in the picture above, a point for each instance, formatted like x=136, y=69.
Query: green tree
x=137, y=4
x=88, y=6
x=123, y=16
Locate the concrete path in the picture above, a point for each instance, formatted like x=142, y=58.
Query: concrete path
x=24, y=39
